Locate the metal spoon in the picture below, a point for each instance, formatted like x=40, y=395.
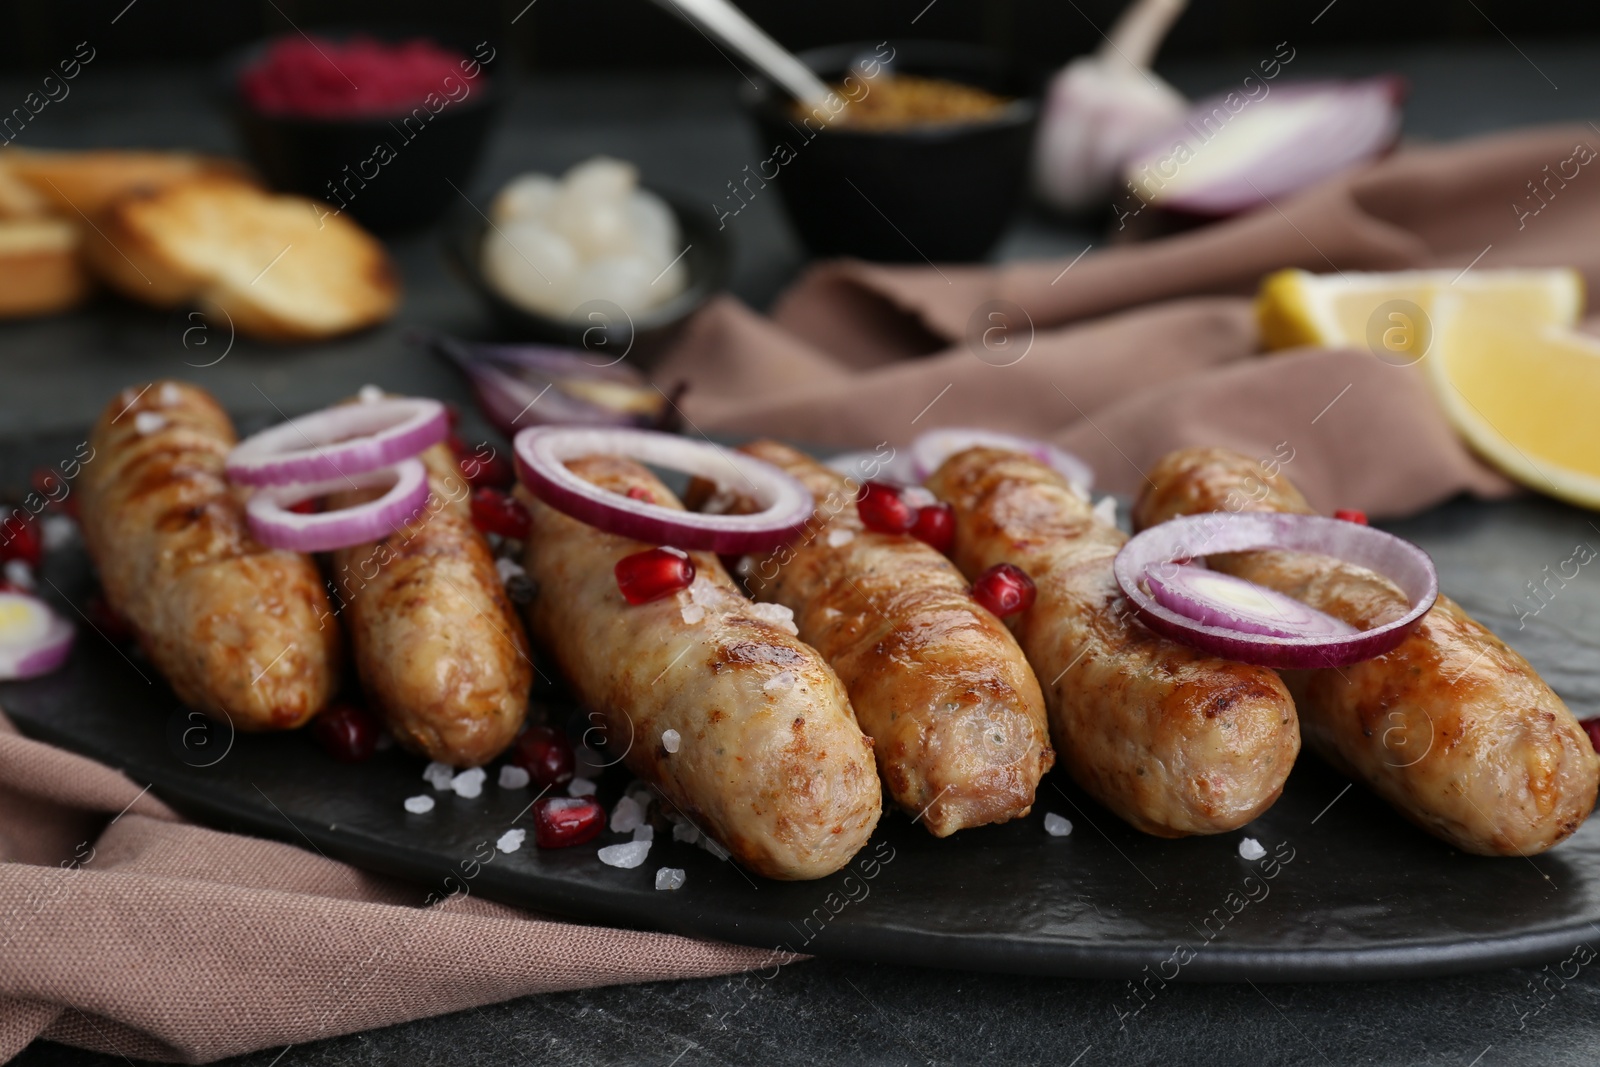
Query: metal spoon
x=720, y=19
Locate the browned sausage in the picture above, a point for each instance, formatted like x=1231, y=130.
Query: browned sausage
x=238, y=630
x=954, y=711
x=1453, y=727
x=439, y=649
x=767, y=757
x=1174, y=741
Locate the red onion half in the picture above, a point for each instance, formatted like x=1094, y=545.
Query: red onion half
x=1232, y=153
x=1155, y=552
x=276, y=527
x=34, y=640
x=543, y=452
x=345, y=440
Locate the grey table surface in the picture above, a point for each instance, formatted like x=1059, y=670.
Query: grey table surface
x=686, y=133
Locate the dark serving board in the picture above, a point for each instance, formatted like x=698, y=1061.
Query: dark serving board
x=1347, y=889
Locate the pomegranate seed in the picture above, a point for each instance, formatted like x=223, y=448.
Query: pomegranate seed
x=560, y=822
x=349, y=732
x=1351, y=515
x=108, y=620
x=936, y=525
x=546, y=755
x=494, y=471
x=653, y=574
x=496, y=511
x=19, y=539
x=639, y=492
x=883, y=509
x=1592, y=728
x=1004, y=589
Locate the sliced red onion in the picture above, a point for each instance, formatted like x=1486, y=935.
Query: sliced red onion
x=34, y=640
x=1155, y=552
x=1232, y=153
x=1217, y=599
x=518, y=386
x=276, y=527
x=345, y=440
x=543, y=452
x=936, y=446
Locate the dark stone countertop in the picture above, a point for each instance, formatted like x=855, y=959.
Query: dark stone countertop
x=686, y=133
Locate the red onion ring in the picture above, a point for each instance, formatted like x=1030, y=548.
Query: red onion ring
x=39, y=639
x=1218, y=599
x=934, y=447
x=276, y=527
x=1192, y=536
x=543, y=451
x=348, y=439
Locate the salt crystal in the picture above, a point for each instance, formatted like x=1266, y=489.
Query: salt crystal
x=644, y=833
x=439, y=775
x=589, y=759
x=419, y=805
x=918, y=497
x=840, y=536
x=779, y=681
x=682, y=831
x=713, y=847
x=511, y=840
x=148, y=422
x=57, y=531
x=580, y=787
x=509, y=569
x=469, y=783
x=775, y=615
x=19, y=574
x=168, y=394
x=745, y=567
x=1106, y=510
x=1056, y=826
x=627, y=855
x=627, y=815
x=692, y=613
x=670, y=740
x=1251, y=849
x=642, y=794
x=670, y=878
x=512, y=777
x=370, y=394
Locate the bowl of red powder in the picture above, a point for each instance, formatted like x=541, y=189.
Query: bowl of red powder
x=386, y=128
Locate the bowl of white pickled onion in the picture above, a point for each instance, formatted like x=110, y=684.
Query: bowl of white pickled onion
x=591, y=259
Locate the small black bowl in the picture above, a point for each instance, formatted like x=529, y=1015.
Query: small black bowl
x=926, y=192
x=606, y=329
x=430, y=154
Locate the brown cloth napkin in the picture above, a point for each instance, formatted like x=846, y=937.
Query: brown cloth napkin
x=126, y=930
x=1139, y=349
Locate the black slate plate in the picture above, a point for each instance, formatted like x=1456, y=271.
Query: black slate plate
x=1346, y=890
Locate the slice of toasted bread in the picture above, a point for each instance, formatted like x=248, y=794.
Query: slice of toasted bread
x=40, y=269
x=87, y=182
x=279, y=267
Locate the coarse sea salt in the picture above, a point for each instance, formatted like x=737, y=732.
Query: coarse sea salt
x=1251, y=849
x=439, y=775
x=19, y=574
x=370, y=394
x=670, y=740
x=627, y=815
x=713, y=847
x=780, y=681
x=692, y=613
x=1106, y=510
x=627, y=855
x=682, y=831
x=670, y=878
x=774, y=615
x=1056, y=826
x=580, y=787
x=644, y=833
x=168, y=394
x=511, y=840
x=509, y=569
x=512, y=777
x=839, y=536
x=57, y=531
x=469, y=783
x=148, y=422
x=419, y=805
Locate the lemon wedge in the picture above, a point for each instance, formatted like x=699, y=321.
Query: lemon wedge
x=1391, y=314
x=1523, y=395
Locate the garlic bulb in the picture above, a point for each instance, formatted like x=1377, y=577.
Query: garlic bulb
x=1102, y=106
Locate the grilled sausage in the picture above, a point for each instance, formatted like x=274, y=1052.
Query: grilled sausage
x=768, y=758
x=953, y=709
x=234, y=627
x=440, y=651
x=1453, y=728
x=1174, y=741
